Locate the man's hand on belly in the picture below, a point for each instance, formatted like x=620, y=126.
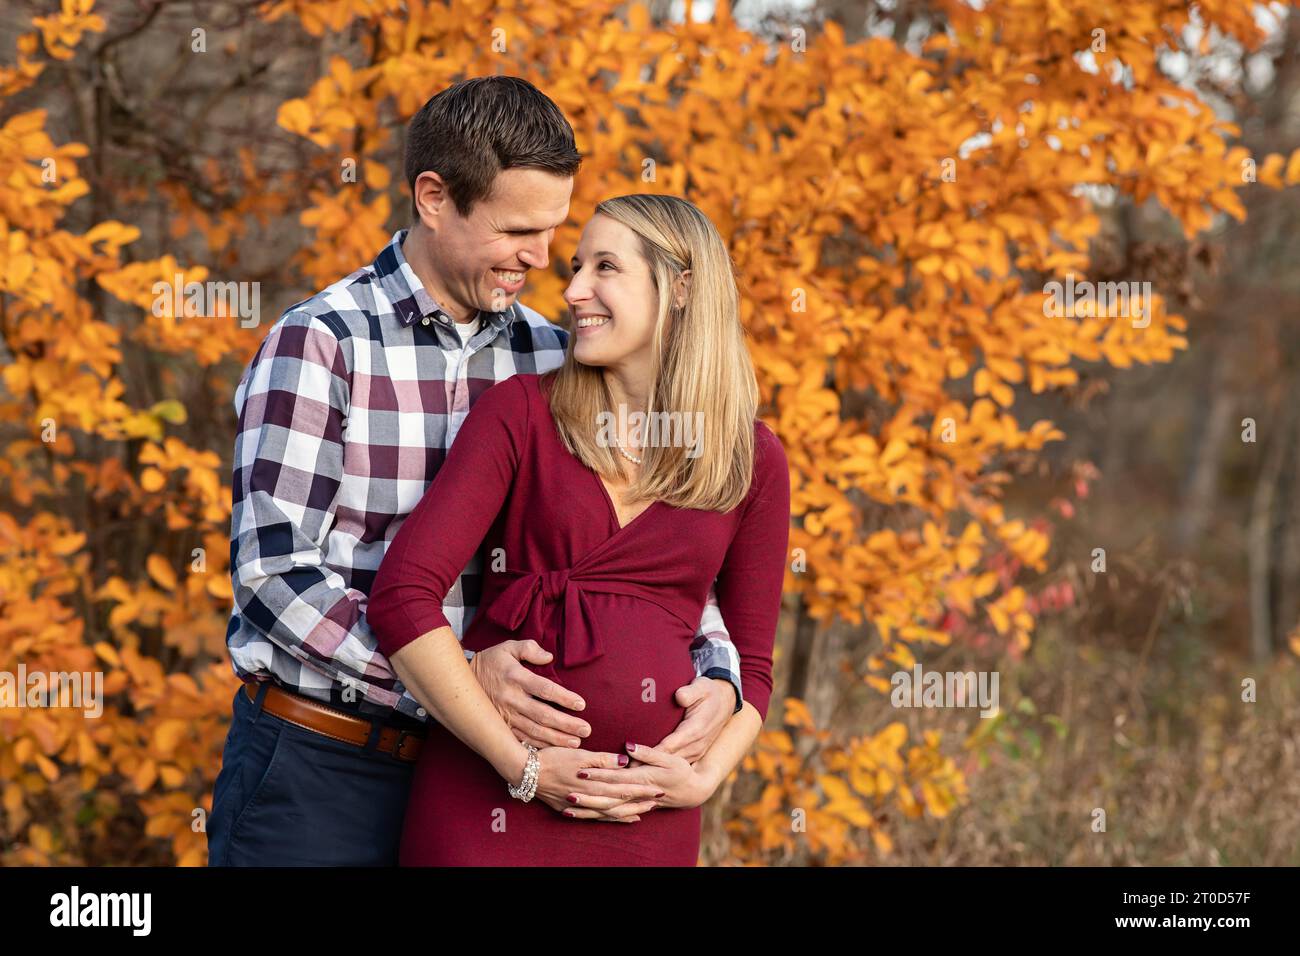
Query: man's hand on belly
x=513, y=690
x=709, y=703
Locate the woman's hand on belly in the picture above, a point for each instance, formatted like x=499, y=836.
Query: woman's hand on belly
x=679, y=783
x=558, y=780
x=523, y=699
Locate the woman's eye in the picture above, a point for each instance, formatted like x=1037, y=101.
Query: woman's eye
x=574, y=268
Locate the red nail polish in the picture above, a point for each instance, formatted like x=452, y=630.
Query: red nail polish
x=572, y=798
x=570, y=814
x=659, y=794
x=631, y=748
x=582, y=775
x=623, y=760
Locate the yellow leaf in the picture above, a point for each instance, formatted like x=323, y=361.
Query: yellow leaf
x=48, y=768
x=40, y=838
x=167, y=735
x=377, y=175
x=108, y=653
x=796, y=713
x=219, y=587
x=894, y=451
x=68, y=544
x=145, y=775
x=883, y=843
x=1293, y=169
x=295, y=116
x=161, y=572
x=170, y=410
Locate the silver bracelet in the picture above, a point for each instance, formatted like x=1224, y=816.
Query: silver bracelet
x=528, y=786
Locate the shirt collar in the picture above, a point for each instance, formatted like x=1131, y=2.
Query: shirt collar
x=411, y=300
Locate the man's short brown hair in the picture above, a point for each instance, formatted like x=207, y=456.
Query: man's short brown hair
x=474, y=129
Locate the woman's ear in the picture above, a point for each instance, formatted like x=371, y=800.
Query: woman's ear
x=681, y=286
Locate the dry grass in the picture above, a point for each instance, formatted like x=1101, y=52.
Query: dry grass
x=1187, y=773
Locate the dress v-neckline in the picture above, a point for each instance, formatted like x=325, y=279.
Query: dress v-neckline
x=613, y=511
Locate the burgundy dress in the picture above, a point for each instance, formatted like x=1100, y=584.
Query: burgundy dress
x=618, y=607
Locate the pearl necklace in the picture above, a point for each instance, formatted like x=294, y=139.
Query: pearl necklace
x=632, y=458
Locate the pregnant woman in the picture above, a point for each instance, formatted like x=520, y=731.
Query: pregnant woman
x=603, y=539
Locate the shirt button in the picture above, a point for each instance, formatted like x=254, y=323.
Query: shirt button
x=425, y=320
x=421, y=712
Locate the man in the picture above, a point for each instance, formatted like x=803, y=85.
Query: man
x=345, y=415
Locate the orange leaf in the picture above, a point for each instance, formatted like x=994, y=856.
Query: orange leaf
x=161, y=572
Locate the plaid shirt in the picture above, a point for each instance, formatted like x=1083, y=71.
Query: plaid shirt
x=346, y=413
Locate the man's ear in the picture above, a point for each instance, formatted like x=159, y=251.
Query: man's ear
x=431, y=198
x=681, y=286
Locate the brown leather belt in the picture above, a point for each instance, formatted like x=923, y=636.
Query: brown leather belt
x=310, y=715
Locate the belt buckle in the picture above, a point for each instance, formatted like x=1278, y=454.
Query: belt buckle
x=397, y=746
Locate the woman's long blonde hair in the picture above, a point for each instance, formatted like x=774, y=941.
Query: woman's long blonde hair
x=701, y=365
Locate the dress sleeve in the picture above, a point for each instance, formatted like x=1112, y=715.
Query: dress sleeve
x=441, y=534
x=753, y=572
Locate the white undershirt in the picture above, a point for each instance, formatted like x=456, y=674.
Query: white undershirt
x=466, y=330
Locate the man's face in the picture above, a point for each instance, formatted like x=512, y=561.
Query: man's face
x=481, y=261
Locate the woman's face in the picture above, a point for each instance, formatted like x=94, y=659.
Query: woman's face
x=611, y=297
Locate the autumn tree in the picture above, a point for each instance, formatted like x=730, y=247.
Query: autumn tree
x=896, y=207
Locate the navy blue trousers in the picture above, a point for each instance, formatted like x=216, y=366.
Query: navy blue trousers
x=287, y=796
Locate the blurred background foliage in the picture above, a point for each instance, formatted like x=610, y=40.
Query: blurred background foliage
x=897, y=182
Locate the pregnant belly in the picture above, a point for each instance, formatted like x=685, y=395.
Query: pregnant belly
x=629, y=690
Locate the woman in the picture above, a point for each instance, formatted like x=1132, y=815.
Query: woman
x=602, y=539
